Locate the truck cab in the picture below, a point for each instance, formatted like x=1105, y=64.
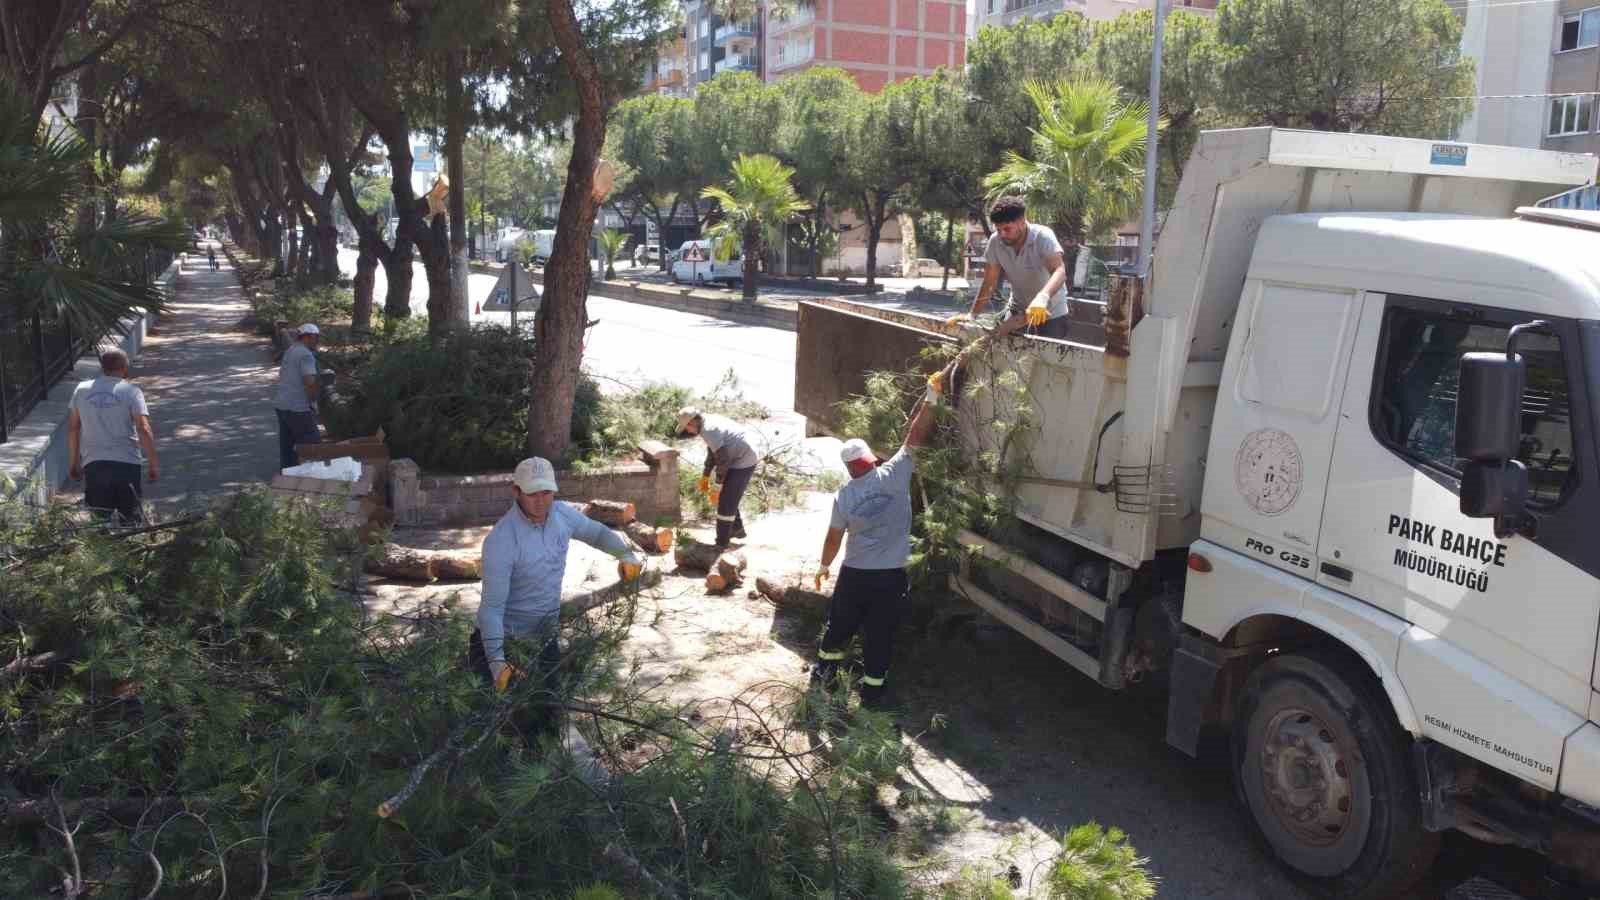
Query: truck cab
x=1266, y=482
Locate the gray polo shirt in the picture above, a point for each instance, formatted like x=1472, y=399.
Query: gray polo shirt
x=106, y=407
x=875, y=510
x=732, y=439
x=298, y=363
x=1025, y=268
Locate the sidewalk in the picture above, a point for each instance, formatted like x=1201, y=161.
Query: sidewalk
x=209, y=386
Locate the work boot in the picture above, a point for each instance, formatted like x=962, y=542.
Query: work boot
x=875, y=697
x=738, y=531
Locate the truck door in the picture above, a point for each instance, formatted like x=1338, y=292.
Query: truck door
x=1277, y=413
x=1497, y=643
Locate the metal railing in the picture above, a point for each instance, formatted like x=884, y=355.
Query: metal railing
x=37, y=351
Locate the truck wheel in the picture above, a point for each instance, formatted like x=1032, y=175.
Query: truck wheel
x=1322, y=766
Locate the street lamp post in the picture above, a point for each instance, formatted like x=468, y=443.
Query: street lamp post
x=1147, y=222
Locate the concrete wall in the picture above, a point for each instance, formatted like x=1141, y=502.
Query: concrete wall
x=1511, y=44
x=33, y=460
x=651, y=485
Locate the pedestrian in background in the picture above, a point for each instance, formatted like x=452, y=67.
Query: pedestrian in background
x=729, y=454
x=298, y=389
x=211, y=254
x=107, y=427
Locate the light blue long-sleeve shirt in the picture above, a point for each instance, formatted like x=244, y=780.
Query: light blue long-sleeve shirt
x=523, y=565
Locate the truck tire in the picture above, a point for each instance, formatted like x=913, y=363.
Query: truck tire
x=1321, y=765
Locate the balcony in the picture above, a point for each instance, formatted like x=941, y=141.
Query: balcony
x=793, y=50
x=802, y=16
x=741, y=63
x=735, y=33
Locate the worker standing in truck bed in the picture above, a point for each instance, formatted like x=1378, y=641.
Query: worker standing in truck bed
x=1031, y=258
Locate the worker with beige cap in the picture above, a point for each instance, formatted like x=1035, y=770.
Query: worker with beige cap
x=298, y=389
x=732, y=456
x=875, y=508
x=524, y=560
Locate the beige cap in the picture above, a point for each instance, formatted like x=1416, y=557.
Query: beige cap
x=686, y=415
x=308, y=328
x=855, y=449
x=534, y=474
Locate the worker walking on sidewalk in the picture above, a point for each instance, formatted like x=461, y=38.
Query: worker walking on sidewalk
x=1031, y=258
x=108, y=426
x=524, y=562
x=875, y=508
x=298, y=389
x=733, y=458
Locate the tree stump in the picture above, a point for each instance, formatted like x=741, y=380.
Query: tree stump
x=613, y=513
x=727, y=574
x=694, y=555
x=649, y=538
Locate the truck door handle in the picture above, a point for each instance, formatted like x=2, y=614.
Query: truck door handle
x=1339, y=572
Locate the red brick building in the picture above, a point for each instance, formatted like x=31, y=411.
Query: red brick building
x=876, y=41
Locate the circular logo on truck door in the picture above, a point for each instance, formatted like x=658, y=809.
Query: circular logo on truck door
x=1268, y=471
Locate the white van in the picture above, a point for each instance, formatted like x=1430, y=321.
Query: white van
x=698, y=265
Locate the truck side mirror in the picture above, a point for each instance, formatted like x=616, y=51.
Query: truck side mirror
x=1494, y=483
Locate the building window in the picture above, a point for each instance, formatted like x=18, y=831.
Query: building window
x=705, y=28
x=1571, y=115
x=705, y=60
x=1581, y=30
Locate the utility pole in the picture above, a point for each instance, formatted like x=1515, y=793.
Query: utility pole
x=1152, y=147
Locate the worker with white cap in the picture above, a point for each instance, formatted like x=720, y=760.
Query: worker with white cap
x=733, y=458
x=875, y=508
x=524, y=562
x=296, y=400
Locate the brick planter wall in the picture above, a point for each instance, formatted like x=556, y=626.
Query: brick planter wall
x=651, y=485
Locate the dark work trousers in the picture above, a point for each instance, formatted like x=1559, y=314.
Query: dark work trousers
x=295, y=428
x=1052, y=328
x=729, y=522
x=113, y=487
x=869, y=600
x=538, y=720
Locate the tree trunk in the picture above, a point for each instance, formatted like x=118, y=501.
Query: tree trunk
x=397, y=263
x=459, y=312
x=752, y=246
x=695, y=556
x=612, y=513
x=563, y=314
x=650, y=539
x=366, y=276
x=948, y=249
x=875, y=216
x=436, y=267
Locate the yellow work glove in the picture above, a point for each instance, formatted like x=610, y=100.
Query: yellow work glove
x=822, y=575
x=1037, y=314
x=935, y=387
x=957, y=319
x=628, y=571
x=502, y=678
x=704, y=484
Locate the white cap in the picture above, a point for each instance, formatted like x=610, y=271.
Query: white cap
x=686, y=415
x=534, y=474
x=308, y=328
x=854, y=449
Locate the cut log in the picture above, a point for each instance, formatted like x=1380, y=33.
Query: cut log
x=730, y=566
x=582, y=603
x=410, y=564
x=614, y=513
x=716, y=583
x=649, y=538
x=790, y=596
x=694, y=555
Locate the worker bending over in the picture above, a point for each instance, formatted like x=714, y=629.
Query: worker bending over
x=733, y=458
x=875, y=508
x=1031, y=258
x=524, y=561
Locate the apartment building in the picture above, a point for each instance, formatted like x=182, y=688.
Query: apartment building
x=669, y=74
x=876, y=41
x=1001, y=13
x=713, y=45
x=1574, y=78
x=1511, y=44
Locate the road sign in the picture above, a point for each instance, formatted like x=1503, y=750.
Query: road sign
x=423, y=159
x=527, y=291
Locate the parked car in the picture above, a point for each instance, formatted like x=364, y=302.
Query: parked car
x=697, y=264
x=926, y=268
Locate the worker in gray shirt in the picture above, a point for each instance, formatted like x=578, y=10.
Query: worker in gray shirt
x=296, y=400
x=732, y=456
x=524, y=561
x=875, y=510
x=107, y=427
x=1031, y=258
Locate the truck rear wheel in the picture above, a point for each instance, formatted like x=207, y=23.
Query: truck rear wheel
x=1321, y=764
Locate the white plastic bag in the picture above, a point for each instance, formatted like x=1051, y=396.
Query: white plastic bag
x=345, y=468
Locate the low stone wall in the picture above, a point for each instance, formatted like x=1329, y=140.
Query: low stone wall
x=651, y=485
x=33, y=460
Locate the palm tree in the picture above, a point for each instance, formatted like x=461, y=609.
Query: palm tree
x=611, y=241
x=92, y=278
x=758, y=199
x=1084, y=172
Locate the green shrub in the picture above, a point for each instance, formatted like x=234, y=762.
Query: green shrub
x=1099, y=864
x=297, y=305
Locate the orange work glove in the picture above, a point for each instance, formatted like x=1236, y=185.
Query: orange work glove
x=502, y=678
x=822, y=575
x=628, y=571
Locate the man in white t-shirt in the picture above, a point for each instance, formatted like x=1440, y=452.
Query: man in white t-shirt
x=875, y=509
x=107, y=427
x=296, y=398
x=1031, y=258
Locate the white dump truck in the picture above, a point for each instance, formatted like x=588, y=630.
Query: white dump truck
x=1333, y=476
